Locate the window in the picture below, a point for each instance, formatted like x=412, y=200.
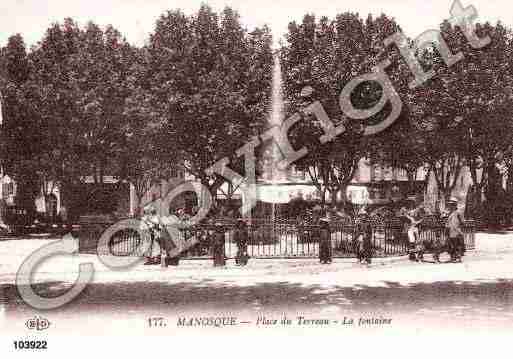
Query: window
x=7, y=190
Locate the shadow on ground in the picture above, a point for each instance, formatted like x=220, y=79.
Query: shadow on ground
x=497, y=231
x=477, y=299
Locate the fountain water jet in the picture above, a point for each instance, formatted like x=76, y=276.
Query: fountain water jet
x=272, y=173
x=275, y=119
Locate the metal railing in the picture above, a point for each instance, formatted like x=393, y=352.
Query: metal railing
x=283, y=239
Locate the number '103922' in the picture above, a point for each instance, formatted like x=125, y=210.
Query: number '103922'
x=30, y=344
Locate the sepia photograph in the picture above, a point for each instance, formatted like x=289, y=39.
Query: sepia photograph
x=256, y=178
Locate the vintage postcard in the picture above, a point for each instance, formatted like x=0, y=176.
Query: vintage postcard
x=262, y=178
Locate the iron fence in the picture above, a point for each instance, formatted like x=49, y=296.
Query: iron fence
x=281, y=239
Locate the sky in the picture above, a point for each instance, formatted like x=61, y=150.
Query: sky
x=136, y=18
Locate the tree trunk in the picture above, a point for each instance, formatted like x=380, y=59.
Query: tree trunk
x=69, y=198
x=343, y=194
x=323, y=196
x=509, y=182
x=137, y=206
x=212, y=189
x=473, y=205
x=333, y=197
x=411, y=182
x=493, y=189
x=27, y=190
x=444, y=196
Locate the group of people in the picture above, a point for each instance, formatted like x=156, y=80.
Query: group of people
x=216, y=237
x=455, y=244
x=164, y=249
x=158, y=235
x=167, y=252
x=413, y=218
x=362, y=238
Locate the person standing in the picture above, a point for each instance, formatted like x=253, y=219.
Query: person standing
x=456, y=239
x=363, y=237
x=3, y=211
x=414, y=221
x=63, y=214
x=218, y=245
x=150, y=219
x=171, y=238
x=325, y=256
x=4, y=226
x=241, y=240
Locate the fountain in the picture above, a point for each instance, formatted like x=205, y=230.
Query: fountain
x=272, y=174
x=276, y=118
x=276, y=184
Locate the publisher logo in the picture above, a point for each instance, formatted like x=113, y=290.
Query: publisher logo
x=38, y=323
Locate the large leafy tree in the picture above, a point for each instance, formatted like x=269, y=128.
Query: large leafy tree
x=464, y=113
x=142, y=164
x=326, y=55
x=21, y=128
x=210, y=84
x=81, y=79
x=402, y=148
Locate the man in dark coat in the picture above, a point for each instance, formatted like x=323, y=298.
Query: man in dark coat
x=241, y=240
x=325, y=255
x=218, y=245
